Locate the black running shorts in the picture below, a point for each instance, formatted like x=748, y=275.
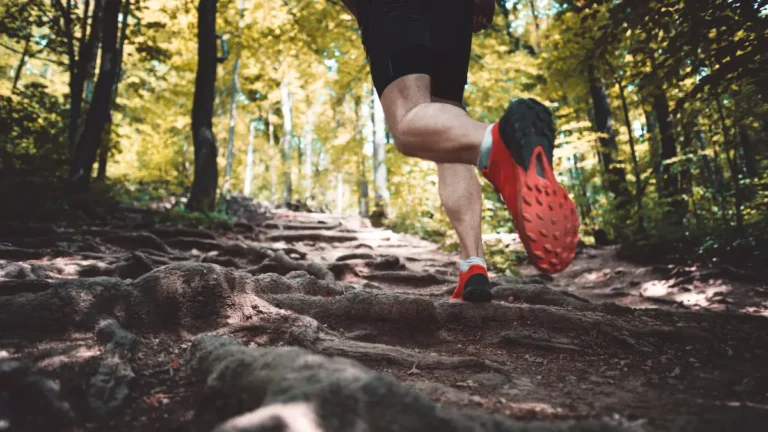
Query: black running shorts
x=404, y=37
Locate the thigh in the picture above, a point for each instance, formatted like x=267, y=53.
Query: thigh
x=451, y=36
x=396, y=39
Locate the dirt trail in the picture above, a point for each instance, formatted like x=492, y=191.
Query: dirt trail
x=304, y=322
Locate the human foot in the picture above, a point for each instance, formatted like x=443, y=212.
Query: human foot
x=520, y=169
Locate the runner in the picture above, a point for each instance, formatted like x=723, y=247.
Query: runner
x=418, y=52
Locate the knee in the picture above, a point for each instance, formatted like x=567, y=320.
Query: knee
x=404, y=146
x=404, y=139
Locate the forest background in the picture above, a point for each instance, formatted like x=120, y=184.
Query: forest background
x=660, y=106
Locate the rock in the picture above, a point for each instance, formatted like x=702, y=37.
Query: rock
x=440, y=392
x=491, y=381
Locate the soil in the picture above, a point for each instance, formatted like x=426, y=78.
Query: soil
x=299, y=321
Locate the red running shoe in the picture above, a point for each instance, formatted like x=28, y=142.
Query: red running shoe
x=520, y=169
x=473, y=285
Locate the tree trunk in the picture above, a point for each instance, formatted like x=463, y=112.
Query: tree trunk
x=669, y=189
x=713, y=177
x=272, y=168
x=535, y=15
x=340, y=193
x=22, y=62
x=651, y=127
x=617, y=180
x=307, y=140
x=96, y=29
x=106, y=141
x=750, y=154
x=233, y=107
x=78, y=65
x=249, y=159
x=203, y=194
x=732, y=164
x=639, y=190
x=381, y=199
x=96, y=119
x=287, y=107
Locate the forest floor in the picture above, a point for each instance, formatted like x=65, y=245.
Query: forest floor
x=134, y=326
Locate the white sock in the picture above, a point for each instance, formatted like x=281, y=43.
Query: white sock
x=464, y=264
x=485, y=149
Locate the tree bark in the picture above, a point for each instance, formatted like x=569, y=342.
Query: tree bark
x=732, y=164
x=381, y=199
x=307, y=140
x=639, y=189
x=749, y=151
x=78, y=67
x=96, y=119
x=287, y=108
x=97, y=30
x=249, y=159
x=651, y=127
x=106, y=141
x=233, y=107
x=203, y=194
x=616, y=178
x=272, y=169
x=22, y=62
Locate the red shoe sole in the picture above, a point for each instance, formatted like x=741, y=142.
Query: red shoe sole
x=545, y=217
x=544, y=214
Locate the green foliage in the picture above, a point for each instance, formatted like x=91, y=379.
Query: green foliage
x=33, y=124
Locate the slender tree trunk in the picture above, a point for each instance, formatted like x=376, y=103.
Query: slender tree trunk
x=96, y=119
x=363, y=134
x=249, y=159
x=233, y=106
x=272, y=164
x=381, y=199
x=340, y=193
x=22, y=62
x=78, y=66
x=536, y=33
x=96, y=29
x=307, y=140
x=713, y=177
x=639, y=190
x=106, y=141
x=287, y=108
x=732, y=164
x=749, y=151
x=617, y=180
x=652, y=127
x=203, y=194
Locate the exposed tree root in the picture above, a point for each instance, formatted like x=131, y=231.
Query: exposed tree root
x=223, y=261
x=137, y=240
x=400, y=356
x=538, y=294
x=12, y=253
x=342, y=270
x=281, y=264
x=12, y=287
x=344, y=395
x=386, y=263
x=412, y=279
x=135, y=265
x=172, y=232
x=189, y=243
x=314, y=236
x=33, y=403
x=287, y=226
x=253, y=254
x=16, y=270
x=525, y=339
x=355, y=256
